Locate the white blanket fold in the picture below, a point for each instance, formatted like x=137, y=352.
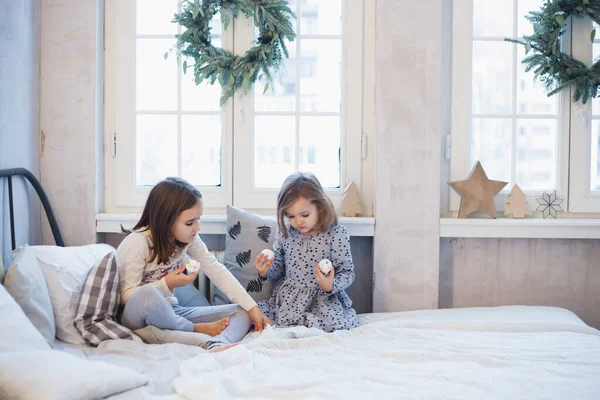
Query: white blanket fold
x=420, y=356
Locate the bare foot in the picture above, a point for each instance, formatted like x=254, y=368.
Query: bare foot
x=221, y=348
x=212, y=328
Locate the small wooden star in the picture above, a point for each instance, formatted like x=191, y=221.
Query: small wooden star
x=477, y=192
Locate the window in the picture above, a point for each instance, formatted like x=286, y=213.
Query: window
x=262, y=151
x=287, y=154
x=584, y=195
x=500, y=116
x=241, y=153
x=309, y=66
x=311, y=155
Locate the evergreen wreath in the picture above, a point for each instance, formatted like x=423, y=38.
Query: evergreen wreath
x=556, y=69
x=234, y=72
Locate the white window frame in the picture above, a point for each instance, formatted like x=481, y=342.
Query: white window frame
x=127, y=193
x=581, y=198
x=122, y=194
x=245, y=195
x=460, y=159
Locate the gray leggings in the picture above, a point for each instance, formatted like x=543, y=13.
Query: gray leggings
x=148, y=306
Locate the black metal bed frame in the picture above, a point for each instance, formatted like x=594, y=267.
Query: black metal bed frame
x=9, y=173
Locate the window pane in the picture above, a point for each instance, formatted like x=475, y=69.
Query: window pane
x=154, y=16
x=156, y=140
x=321, y=75
x=531, y=96
x=204, y=97
x=281, y=97
x=493, y=18
x=273, y=134
x=524, y=27
x=201, y=148
x=595, y=54
x=321, y=17
x=490, y=144
x=156, y=78
x=320, y=148
x=536, y=154
x=595, y=134
x=492, y=77
x=216, y=27
x=595, y=162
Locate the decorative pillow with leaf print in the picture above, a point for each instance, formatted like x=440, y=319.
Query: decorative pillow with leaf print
x=247, y=235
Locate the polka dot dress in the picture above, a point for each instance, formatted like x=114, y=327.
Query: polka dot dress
x=297, y=298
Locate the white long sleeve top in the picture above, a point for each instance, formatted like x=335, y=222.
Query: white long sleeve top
x=135, y=272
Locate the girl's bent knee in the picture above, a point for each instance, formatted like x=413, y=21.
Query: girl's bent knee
x=233, y=310
x=239, y=311
x=146, y=296
x=146, y=291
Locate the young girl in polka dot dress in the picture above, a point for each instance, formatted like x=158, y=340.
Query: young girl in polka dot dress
x=302, y=294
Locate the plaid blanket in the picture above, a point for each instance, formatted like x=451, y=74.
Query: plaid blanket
x=98, y=304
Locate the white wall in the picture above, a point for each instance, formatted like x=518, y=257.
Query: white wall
x=19, y=117
x=408, y=121
x=71, y=163
x=495, y=272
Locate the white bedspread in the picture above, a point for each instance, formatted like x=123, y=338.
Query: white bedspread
x=515, y=352
x=503, y=352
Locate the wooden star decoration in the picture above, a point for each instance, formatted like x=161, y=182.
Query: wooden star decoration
x=477, y=192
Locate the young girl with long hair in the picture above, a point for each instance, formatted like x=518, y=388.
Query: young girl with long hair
x=151, y=261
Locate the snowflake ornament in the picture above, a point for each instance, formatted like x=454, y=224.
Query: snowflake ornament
x=549, y=204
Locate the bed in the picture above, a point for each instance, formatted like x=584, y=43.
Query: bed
x=501, y=352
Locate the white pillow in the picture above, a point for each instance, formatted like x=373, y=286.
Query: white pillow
x=17, y=333
x=26, y=284
x=64, y=269
x=247, y=235
x=52, y=374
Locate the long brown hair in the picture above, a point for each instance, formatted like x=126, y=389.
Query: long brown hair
x=305, y=184
x=166, y=201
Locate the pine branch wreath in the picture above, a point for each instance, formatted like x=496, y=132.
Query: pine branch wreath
x=215, y=64
x=556, y=69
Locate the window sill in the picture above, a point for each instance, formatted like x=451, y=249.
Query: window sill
x=216, y=224
x=520, y=228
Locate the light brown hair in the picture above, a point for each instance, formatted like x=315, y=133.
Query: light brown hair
x=166, y=201
x=305, y=184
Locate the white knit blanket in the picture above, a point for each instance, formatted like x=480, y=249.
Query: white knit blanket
x=515, y=353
